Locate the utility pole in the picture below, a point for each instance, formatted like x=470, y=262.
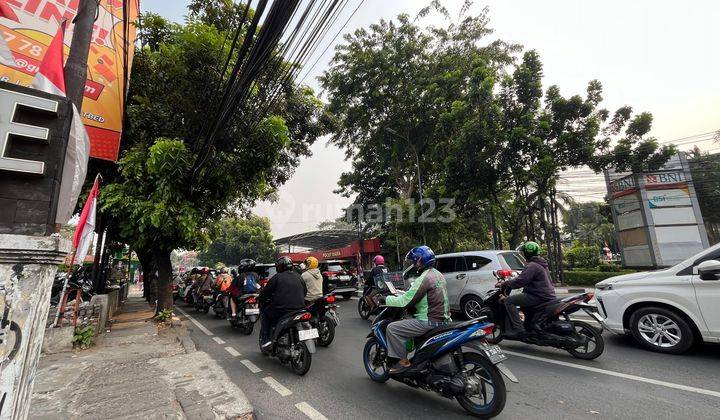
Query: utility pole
x=76, y=65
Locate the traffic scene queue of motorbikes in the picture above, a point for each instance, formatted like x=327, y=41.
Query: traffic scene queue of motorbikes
x=457, y=360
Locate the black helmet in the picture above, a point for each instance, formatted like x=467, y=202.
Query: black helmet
x=194, y=270
x=246, y=264
x=283, y=264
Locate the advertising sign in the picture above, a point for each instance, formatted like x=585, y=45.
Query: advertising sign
x=108, y=62
x=669, y=198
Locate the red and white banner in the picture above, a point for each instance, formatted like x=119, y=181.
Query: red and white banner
x=86, y=225
x=50, y=78
x=6, y=56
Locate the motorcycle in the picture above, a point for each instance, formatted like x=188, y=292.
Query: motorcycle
x=324, y=318
x=454, y=360
x=247, y=314
x=548, y=324
x=205, y=302
x=220, y=304
x=293, y=341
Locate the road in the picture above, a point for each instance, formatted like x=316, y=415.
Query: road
x=625, y=382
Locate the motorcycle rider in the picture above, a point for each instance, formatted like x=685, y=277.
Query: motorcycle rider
x=375, y=274
x=243, y=283
x=313, y=280
x=202, y=283
x=284, y=293
x=428, y=295
x=537, y=287
x=222, y=284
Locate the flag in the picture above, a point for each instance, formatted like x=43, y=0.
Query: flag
x=6, y=56
x=50, y=78
x=86, y=225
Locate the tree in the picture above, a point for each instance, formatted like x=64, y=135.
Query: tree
x=162, y=199
x=235, y=238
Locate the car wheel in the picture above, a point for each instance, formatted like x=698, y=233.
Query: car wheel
x=471, y=307
x=661, y=330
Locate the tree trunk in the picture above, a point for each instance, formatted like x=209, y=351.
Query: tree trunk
x=148, y=270
x=164, y=265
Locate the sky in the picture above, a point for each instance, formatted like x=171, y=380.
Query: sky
x=655, y=55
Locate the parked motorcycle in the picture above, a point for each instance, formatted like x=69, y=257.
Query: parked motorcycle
x=454, y=360
x=293, y=341
x=548, y=324
x=247, y=314
x=324, y=318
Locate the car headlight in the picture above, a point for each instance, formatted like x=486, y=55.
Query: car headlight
x=608, y=286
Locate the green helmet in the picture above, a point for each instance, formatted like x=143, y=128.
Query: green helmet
x=529, y=249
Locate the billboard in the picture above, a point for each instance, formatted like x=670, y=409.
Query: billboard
x=109, y=60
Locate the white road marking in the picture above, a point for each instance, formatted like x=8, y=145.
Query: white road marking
x=354, y=298
x=620, y=375
x=219, y=340
x=309, y=411
x=250, y=365
x=199, y=325
x=232, y=351
x=284, y=392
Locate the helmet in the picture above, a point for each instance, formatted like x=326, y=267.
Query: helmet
x=194, y=270
x=379, y=260
x=205, y=270
x=224, y=270
x=311, y=262
x=283, y=264
x=421, y=254
x=246, y=264
x=233, y=272
x=529, y=249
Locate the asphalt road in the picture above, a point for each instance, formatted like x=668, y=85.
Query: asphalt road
x=626, y=382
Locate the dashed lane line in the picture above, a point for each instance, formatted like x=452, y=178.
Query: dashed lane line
x=620, y=375
x=232, y=351
x=250, y=365
x=277, y=386
x=309, y=411
x=218, y=340
x=194, y=321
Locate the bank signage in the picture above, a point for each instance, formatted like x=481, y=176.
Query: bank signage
x=34, y=128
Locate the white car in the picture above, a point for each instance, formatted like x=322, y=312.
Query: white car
x=667, y=310
x=469, y=276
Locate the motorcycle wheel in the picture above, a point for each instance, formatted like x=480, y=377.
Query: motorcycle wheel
x=370, y=355
x=327, y=332
x=363, y=308
x=486, y=375
x=595, y=345
x=247, y=328
x=205, y=309
x=301, y=364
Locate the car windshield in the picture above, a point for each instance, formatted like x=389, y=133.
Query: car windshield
x=514, y=260
x=335, y=267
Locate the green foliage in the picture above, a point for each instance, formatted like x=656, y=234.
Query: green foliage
x=83, y=337
x=235, y=238
x=583, y=256
x=172, y=188
x=609, y=267
x=164, y=315
x=588, y=278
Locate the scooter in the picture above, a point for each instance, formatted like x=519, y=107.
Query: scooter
x=324, y=318
x=454, y=360
x=293, y=341
x=205, y=301
x=548, y=324
x=247, y=314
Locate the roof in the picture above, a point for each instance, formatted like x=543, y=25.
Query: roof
x=319, y=239
x=478, y=252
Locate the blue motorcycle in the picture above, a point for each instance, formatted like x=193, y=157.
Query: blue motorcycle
x=453, y=360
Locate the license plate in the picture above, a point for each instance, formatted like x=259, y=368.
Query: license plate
x=495, y=354
x=308, y=334
x=252, y=311
x=344, y=278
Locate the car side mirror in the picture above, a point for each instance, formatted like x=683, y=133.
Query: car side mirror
x=709, y=270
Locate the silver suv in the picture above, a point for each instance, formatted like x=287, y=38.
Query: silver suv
x=469, y=276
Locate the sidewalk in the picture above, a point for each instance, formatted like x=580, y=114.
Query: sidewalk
x=136, y=372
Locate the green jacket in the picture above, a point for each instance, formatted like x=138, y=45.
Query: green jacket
x=428, y=294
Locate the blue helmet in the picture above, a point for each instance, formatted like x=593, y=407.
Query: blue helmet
x=423, y=254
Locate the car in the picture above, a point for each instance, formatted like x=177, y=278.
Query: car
x=669, y=310
x=469, y=276
x=265, y=271
x=337, y=278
